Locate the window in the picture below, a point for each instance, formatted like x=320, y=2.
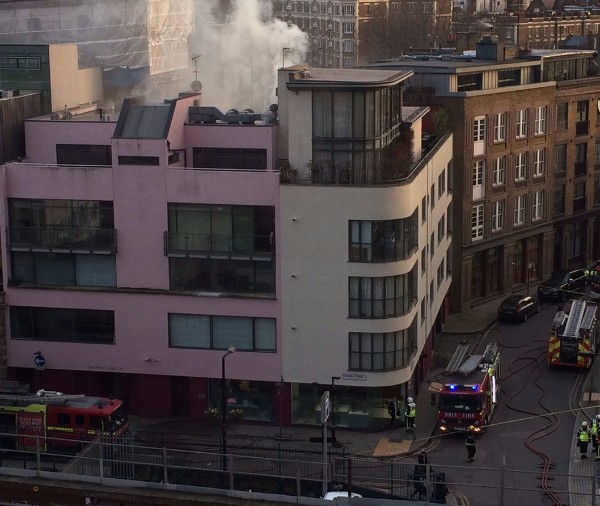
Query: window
x=596, y=190
x=441, y=272
x=497, y=215
x=423, y=260
x=469, y=82
x=560, y=158
x=539, y=162
x=62, y=325
x=562, y=115
x=581, y=125
x=579, y=197
x=479, y=129
x=498, y=171
x=559, y=199
x=597, y=155
x=580, y=158
x=540, y=120
x=500, y=127
x=63, y=269
x=449, y=219
x=383, y=241
x=221, y=332
x=383, y=351
x=520, y=166
x=138, y=160
x=519, y=210
x=348, y=27
x=432, y=196
x=477, y=179
x=509, y=77
x=441, y=228
x=347, y=9
x=432, y=245
x=477, y=222
x=229, y=158
x=384, y=297
x=83, y=154
x=347, y=46
x=521, y=124
x=424, y=209
x=537, y=205
x=442, y=183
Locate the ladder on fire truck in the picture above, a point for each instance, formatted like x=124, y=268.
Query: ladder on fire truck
x=576, y=314
x=458, y=364
x=40, y=397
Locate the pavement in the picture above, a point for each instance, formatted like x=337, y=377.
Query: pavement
x=396, y=442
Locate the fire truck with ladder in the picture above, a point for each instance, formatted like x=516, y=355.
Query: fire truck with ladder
x=52, y=420
x=468, y=394
x=574, y=335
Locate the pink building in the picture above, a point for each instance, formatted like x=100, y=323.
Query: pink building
x=144, y=248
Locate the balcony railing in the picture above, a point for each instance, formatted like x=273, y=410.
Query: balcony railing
x=258, y=247
x=63, y=238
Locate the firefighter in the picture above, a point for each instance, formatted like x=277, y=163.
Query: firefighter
x=392, y=411
x=410, y=413
x=594, y=434
x=583, y=439
x=470, y=444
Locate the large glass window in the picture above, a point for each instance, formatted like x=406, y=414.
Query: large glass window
x=357, y=137
x=562, y=115
x=217, y=229
x=250, y=400
x=63, y=269
x=62, y=224
x=477, y=215
x=230, y=158
x=384, y=351
x=385, y=297
x=383, y=240
x=222, y=275
x=62, y=325
x=222, y=332
x=560, y=158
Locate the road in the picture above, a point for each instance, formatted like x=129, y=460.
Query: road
x=530, y=433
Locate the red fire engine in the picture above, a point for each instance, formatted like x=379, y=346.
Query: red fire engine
x=56, y=420
x=468, y=395
x=574, y=335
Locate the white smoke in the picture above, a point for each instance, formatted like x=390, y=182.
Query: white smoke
x=238, y=56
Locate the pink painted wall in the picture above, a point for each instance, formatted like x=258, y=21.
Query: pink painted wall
x=140, y=196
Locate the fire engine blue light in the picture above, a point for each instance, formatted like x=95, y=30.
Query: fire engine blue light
x=474, y=387
x=452, y=387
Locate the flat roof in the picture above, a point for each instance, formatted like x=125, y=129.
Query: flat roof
x=303, y=76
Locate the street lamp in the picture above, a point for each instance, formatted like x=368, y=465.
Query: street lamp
x=224, y=406
x=333, y=379
x=529, y=267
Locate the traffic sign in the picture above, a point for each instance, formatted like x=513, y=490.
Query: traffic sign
x=40, y=361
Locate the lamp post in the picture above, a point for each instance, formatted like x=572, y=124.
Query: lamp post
x=529, y=267
x=333, y=379
x=224, y=406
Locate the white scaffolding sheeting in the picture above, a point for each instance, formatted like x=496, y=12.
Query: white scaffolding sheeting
x=109, y=33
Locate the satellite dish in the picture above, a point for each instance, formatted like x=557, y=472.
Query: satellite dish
x=196, y=86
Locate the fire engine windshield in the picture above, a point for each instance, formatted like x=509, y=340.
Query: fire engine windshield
x=459, y=402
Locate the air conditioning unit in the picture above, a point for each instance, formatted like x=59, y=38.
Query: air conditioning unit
x=7, y=93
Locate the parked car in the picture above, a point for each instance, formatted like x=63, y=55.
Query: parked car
x=518, y=307
x=561, y=284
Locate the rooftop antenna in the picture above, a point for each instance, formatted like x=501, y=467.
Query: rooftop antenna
x=196, y=85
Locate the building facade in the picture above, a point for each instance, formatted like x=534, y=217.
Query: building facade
x=524, y=144
x=346, y=34
x=144, y=244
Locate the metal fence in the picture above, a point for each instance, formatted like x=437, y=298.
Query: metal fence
x=270, y=469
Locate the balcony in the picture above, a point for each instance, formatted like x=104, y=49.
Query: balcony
x=244, y=247
x=63, y=239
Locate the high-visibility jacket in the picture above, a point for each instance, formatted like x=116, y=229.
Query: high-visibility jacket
x=584, y=435
x=470, y=440
x=594, y=429
x=411, y=410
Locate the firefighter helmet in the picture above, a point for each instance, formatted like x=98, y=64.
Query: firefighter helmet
x=410, y=399
x=584, y=424
x=471, y=427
